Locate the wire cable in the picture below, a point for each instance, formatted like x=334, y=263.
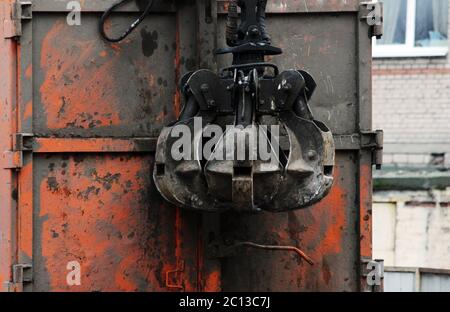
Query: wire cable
x=298, y=251
x=136, y=23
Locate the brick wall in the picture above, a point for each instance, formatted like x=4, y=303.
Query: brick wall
x=411, y=100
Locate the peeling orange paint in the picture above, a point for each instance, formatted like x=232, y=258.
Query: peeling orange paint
x=25, y=212
x=336, y=221
x=29, y=72
x=177, y=64
x=28, y=112
x=109, y=236
x=77, y=91
x=212, y=282
x=365, y=215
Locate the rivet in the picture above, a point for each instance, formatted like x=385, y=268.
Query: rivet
x=312, y=155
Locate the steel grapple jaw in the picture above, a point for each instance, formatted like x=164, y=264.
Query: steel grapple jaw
x=246, y=139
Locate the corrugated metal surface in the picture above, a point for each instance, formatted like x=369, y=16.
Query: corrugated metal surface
x=85, y=191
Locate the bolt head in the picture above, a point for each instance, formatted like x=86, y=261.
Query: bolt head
x=204, y=87
x=312, y=155
x=253, y=31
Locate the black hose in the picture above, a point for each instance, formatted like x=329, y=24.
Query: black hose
x=108, y=12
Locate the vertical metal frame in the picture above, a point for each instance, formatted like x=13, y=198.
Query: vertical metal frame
x=25, y=126
x=365, y=156
x=8, y=68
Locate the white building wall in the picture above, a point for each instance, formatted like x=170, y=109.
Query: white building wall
x=411, y=103
x=412, y=229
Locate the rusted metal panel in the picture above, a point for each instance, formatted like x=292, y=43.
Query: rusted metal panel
x=326, y=233
x=93, y=106
x=78, y=79
x=85, y=191
x=101, y=211
x=339, y=56
x=328, y=53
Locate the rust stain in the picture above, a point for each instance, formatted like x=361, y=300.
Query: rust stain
x=212, y=281
x=77, y=90
x=161, y=116
x=336, y=221
x=326, y=274
x=29, y=72
x=28, y=111
x=328, y=222
x=178, y=239
x=26, y=210
x=177, y=64
x=90, y=213
x=365, y=214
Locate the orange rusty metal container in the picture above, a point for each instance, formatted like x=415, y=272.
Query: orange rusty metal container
x=78, y=123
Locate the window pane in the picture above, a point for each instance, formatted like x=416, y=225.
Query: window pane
x=431, y=23
x=394, y=16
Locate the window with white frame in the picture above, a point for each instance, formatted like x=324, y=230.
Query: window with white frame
x=413, y=28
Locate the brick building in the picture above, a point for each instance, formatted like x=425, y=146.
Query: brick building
x=411, y=98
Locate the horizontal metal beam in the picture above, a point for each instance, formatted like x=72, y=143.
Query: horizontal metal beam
x=303, y=6
x=347, y=142
x=412, y=182
x=160, y=6
x=93, y=145
x=282, y=6
x=148, y=145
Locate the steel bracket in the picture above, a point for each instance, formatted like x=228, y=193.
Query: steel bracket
x=373, y=140
x=23, y=142
x=372, y=13
x=7, y=287
x=14, y=159
x=20, y=11
x=22, y=273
